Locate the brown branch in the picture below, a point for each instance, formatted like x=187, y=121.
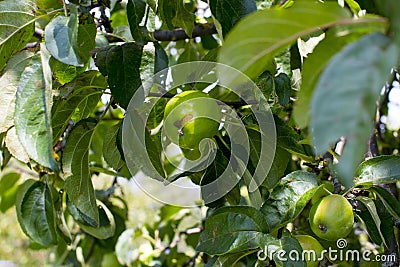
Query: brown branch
x=180, y=34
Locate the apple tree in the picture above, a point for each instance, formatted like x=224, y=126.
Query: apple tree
x=279, y=113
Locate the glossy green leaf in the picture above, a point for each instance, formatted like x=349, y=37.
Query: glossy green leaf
x=9, y=80
x=121, y=63
x=16, y=27
x=77, y=100
x=232, y=229
x=135, y=10
x=335, y=39
x=32, y=121
x=61, y=38
x=78, y=183
x=370, y=205
x=111, y=153
x=7, y=181
x=257, y=38
x=354, y=94
x=388, y=200
x=229, y=12
x=289, y=198
x=35, y=212
x=378, y=170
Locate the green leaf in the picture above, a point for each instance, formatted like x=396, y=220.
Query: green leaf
x=62, y=227
x=106, y=228
x=78, y=99
x=175, y=14
x=167, y=11
x=78, y=183
x=283, y=88
x=378, y=170
x=35, y=212
x=295, y=57
x=121, y=63
x=289, y=139
x=14, y=146
x=111, y=153
x=7, y=181
x=135, y=10
x=257, y=38
x=9, y=80
x=8, y=198
x=388, y=200
x=289, y=244
x=372, y=229
x=64, y=73
x=354, y=94
x=32, y=121
x=335, y=39
x=230, y=259
x=189, y=54
x=161, y=60
x=370, y=205
x=391, y=9
x=232, y=229
x=281, y=158
x=86, y=41
x=229, y=12
x=289, y=198
x=16, y=27
x=61, y=38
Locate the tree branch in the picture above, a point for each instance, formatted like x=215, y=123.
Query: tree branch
x=179, y=34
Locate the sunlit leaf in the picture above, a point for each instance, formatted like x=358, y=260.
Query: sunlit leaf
x=289, y=198
x=16, y=27
x=9, y=80
x=258, y=37
x=354, y=95
x=335, y=39
x=61, y=38
x=378, y=170
x=32, y=121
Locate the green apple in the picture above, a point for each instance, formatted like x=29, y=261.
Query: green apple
x=191, y=116
x=331, y=218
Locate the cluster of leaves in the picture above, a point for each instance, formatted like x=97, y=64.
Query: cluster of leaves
x=70, y=70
